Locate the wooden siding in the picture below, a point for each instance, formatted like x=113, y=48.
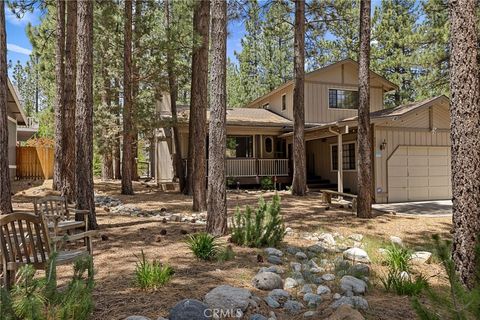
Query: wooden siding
x=34, y=163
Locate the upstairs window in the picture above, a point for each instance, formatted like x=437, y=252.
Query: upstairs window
x=342, y=99
x=284, y=102
x=348, y=156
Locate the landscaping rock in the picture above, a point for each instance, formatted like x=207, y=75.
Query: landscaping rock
x=189, y=309
x=307, y=288
x=356, y=254
x=226, y=297
x=279, y=295
x=352, y=284
x=137, y=318
x=267, y=281
x=274, y=269
x=360, y=269
x=297, y=267
x=273, y=252
x=328, y=277
x=274, y=260
x=346, y=312
x=312, y=299
x=292, y=250
x=327, y=238
x=336, y=296
x=272, y=303
x=355, y=302
x=290, y=283
x=293, y=306
x=323, y=290
x=257, y=316
x=420, y=257
x=356, y=237
x=301, y=256
x=316, y=249
x=396, y=240
x=310, y=314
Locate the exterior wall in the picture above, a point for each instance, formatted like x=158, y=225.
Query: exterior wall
x=319, y=154
x=317, y=84
x=12, y=143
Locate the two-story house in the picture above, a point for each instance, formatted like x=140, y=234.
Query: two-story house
x=410, y=143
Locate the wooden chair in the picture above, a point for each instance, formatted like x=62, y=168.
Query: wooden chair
x=24, y=239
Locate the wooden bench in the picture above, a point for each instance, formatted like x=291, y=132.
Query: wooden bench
x=24, y=239
x=327, y=197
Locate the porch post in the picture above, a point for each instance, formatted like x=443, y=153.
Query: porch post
x=340, y=162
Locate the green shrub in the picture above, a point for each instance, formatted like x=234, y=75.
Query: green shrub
x=203, y=245
x=266, y=183
x=225, y=254
x=151, y=275
x=456, y=303
x=33, y=298
x=398, y=258
x=263, y=228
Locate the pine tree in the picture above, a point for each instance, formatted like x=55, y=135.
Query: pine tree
x=5, y=188
x=364, y=137
x=465, y=126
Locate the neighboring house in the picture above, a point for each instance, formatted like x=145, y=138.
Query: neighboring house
x=20, y=128
x=410, y=143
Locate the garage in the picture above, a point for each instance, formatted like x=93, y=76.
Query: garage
x=418, y=173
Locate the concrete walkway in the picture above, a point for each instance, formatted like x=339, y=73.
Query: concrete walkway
x=437, y=208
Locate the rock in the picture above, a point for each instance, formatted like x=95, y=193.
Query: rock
x=420, y=257
x=272, y=316
x=292, y=250
x=306, y=289
x=273, y=252
x=323, y=290
x=328, y=277
x=267, y=281
x=327, y=238
x=301, y=256
x=137, y=318
x=317, y=270
x=309, y=314
x=352, y=284
x=355, y=302
x=360, y=269
x=273, y=269
x=293, y=306
x=312, y=299
x=176, y=218
x=290, y=283
x=279, y=295
x=297, y=267
x=316, y=249
x=346, y=312
x=189, y=309
x=274, y=260
x=336, y=296
x=257, y=316
x=272, y=303
x=357, y=255
x=226, y=297
x=317, y=280
x=356, y=237
x=396, y=240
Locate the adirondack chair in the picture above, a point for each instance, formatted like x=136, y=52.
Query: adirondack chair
x=24, y=239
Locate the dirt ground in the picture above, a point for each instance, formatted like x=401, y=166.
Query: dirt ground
x=116, y=297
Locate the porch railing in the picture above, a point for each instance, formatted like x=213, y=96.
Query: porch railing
x=253, y=167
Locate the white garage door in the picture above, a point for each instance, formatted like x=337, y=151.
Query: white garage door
x=419, y=173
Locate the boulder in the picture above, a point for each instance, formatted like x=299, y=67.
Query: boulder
x=355, y=302
x=293, y=307
x=189, y=309
x=323, y=290
x=420, y=257
x=352, y=284
x=357, y=255
x=360, y=269
x=273, y=252
x=267, y=281
x=226, y=297
x=346, y=312
x=274, y=260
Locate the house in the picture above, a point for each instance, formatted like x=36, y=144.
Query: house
x=20, y=127
x=411, y=142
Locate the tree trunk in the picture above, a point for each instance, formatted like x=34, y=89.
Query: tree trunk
x=465, y=124
x=60, y=97
x=127, y=160
x=137, y=34
x=5, y=188
x=116, y=143
x=68, y=145
x=106, y=150
x=173, y=89
x=198, y=108
x=107, y=165
x=364, y=136
x=217, y=183
x=299, y=183
x=84, y=113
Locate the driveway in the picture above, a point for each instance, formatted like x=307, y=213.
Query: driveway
x=437, y=208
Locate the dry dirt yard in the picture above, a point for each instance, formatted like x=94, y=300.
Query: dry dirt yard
x=124, y=236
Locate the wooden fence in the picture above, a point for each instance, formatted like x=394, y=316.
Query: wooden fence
x=34, y=163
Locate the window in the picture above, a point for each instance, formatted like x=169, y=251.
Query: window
x=268, y=145
x=348, y=156
x=342, y=99
x=239, y=147
x=266, y=106
x=284, y=102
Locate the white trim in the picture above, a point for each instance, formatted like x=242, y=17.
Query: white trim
x=12, y=119
x=11, y=166
x=338, y=88
x=265, y=144
x=356, y=156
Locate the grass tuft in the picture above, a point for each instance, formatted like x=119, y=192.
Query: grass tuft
x=152, y=275
x=203, y=245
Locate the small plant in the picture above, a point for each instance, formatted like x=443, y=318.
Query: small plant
x=203, y=245
x=152, y=275
x=456, y=303
x=263, y=228
x=266, y=183
x=398, y=258
x=225, y=254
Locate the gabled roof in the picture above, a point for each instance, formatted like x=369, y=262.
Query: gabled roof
x=389, y=86
x=244, y=117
